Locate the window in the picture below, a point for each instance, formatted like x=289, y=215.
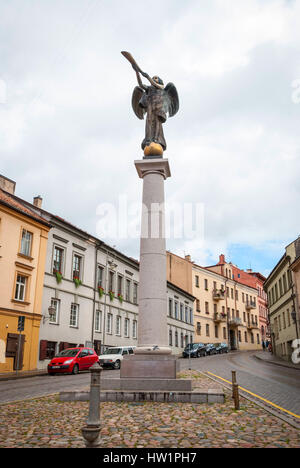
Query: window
x=206, y=285
x=111, y=281
x=216, y=331
x=74, y=315
x=191, y=316
x=26, y=242
x=100, y=275
x=126, y=328
x=258, y=339
x=246, y=337
x=197, y=305
x=170, y=307
x=127, y=295
x=135, y=293
x=206, y=307
x=224, y=333
x=176, y=310
x=170, y=338
x=55, y=303
x=58, y=259
x=288, y=317
x=181, y=312
x=134, y=329
x=181, y=340
x=252, y=338
x=197, y=281
x=120, y=285
x=109, y=324
x=77, y=266
x=186, y=314
x=240, y=336
x=198, y=328
x=176, y=339
x=118, y=325
x=98, y=321
x=207, y=330
x=20, y=292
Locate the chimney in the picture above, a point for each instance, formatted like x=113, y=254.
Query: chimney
x=7, y=185
x=188, y=258
x=249, y=270
x=222, y=260
x=37, y=201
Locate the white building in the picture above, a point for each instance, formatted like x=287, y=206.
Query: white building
x=91, y=290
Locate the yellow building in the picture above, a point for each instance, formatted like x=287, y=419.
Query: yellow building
x=225, y=310
x=23, y=246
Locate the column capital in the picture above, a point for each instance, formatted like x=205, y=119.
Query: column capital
x=156, y=166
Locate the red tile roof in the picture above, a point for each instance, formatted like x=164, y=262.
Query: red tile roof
x=16, y=204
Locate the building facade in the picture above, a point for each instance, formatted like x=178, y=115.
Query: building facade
x=282, y=288
x=90, y=295
x=224, y=310
x=23, y=247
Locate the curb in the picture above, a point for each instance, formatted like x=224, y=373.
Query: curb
x=24, y=376
x=276, y=363
x=277, y=414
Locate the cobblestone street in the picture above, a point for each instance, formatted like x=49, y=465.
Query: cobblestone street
x=46, y=422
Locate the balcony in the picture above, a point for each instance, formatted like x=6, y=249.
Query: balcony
x=218, y=294
x=252, y=325
x=219, y=318
x=250, y=305
x=235, y=322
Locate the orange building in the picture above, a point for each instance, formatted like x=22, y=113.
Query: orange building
x=23, y=246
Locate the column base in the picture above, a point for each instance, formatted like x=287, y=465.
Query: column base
x=142, y=366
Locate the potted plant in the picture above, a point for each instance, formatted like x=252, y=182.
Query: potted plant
x=120, y=297
x=111, y=295
x=58, y=276
x=101, y=291
x=77, y=281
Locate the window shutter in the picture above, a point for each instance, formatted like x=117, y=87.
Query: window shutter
x=11, y=345
x=43, y=350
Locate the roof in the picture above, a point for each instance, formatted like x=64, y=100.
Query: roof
x=19, y=205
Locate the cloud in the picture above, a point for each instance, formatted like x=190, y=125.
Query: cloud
x=67, y=130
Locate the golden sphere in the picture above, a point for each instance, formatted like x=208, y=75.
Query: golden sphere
x=154, y=149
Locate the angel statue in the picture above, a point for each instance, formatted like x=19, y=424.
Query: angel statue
x=156, y=101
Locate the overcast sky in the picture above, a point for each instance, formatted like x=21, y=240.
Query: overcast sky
x=68, y=133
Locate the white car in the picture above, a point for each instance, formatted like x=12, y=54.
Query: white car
x=112, y=357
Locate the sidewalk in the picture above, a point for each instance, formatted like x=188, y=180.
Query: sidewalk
x=266, y=356
x=22, y=374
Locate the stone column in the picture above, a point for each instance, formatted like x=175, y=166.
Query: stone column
x=152, y=357
x=152, y=330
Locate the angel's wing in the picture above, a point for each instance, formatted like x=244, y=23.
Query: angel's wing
x=136, y=97
x=173, y=104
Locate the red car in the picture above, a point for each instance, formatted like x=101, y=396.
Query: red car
x=72, y=360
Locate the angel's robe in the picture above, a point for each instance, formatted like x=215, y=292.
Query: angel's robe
x=155, y=102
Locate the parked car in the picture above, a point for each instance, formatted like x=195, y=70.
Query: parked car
x=194, y=350
x=211, y=349
x=112, y=357
x=72, y=360
x=222, y=348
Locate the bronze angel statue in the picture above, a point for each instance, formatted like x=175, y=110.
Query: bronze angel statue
x=156, y=101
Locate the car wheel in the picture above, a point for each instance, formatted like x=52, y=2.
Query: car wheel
x=198, y=354
x=75, y=369
x=117, y=364
x=51, y=373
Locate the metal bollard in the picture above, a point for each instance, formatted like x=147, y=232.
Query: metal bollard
x=235, y=391
x=91, y=432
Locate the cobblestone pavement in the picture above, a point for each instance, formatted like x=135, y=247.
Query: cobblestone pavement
x=46, y=422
